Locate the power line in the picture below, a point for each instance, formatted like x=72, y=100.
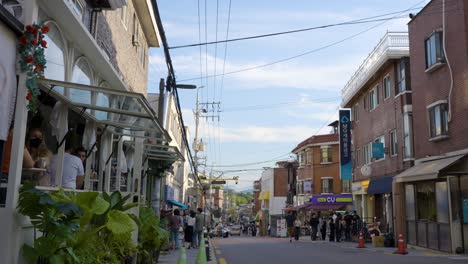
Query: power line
x=278, y=105
x=225, y=50
x=253, y=163
x=376, y=18
x=308, y=52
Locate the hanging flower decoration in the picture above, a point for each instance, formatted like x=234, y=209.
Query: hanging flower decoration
x=32, y=60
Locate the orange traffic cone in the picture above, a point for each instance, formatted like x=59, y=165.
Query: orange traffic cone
x=361, y=241
x=401, y=246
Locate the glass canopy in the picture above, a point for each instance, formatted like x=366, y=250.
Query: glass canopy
x=126, y=113
x=159, y=151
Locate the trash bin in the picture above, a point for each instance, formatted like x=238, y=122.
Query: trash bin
x=378, y=241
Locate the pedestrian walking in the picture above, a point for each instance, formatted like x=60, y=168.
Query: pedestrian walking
x=290, y=224
x=347, y=221
x=189, y=236
x=174, y=225
x=323, y=228
x=297, y=228
x=199, y=224
x=314, y=222
x=331, y=225
x=338, y=227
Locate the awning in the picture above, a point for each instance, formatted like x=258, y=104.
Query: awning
x=125, y=113
x=325, y=207
x=304, y=206
x=176, y=203
x=380, y=185
x=264, y=195
x=428, y=170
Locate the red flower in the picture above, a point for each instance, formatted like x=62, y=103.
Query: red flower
x=42, y=76
x=23, y=40
x=45, y=29
x=35, y=31
x=29, y=59
x=38, y=68
x=44, y=44
x=29, y=96
x=29, y=28
x=34, y=41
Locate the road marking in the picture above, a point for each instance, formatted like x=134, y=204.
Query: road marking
x=218, y=252
x=222, y=261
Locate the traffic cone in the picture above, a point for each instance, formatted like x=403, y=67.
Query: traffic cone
x=201, y=256
x=401, y=246
x=183, y=257
x=361, y=241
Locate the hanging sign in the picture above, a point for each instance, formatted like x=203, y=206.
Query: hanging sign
x=346, y=168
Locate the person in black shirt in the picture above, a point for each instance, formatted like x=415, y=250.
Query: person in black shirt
x=347, y=219
x=331, y=224
x=314, y=221
x=290, y=218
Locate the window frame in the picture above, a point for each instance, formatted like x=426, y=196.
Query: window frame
x=380, y=139
x=329, y=154
x=75, y=4
x=439, y=56
x=347, y=184
x=442, y=107
x=329, y=181
x=374, y=98
x=355, y=112
x=393, y=143
x=401, y=77
x=408, y=135
x=387, y=87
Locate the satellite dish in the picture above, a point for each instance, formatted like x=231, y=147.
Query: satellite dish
x=366, y=170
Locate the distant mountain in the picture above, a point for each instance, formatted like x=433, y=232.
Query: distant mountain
x=250, y=190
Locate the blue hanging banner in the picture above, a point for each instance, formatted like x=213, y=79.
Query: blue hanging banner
x=346, y=167
x=377, y=150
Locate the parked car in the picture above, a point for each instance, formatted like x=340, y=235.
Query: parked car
x=235, y=230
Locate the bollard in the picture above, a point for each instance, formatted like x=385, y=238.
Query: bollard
x=201, y=256
x=361, y=241
x=183, y=257
x=401, y=246
x=207, y=250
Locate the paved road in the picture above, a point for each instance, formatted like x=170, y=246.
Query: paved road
x=245, y=250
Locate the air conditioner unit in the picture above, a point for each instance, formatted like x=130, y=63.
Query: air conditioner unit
x=135, y=42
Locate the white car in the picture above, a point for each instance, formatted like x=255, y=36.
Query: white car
x=235, y=230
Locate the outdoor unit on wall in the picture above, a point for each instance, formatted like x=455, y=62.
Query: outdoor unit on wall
x=107, y=4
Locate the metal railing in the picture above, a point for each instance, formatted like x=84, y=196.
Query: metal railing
x=392, y=41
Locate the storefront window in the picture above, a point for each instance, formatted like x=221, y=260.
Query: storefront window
x=410, y=205
x=426, y=201
x=442, y=202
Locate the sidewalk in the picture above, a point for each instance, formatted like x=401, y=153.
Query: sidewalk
x=412, y=250
x=172, y=256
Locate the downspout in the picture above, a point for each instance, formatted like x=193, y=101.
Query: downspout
x=448, y=62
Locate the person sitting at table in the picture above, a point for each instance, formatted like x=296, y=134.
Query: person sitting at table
x=28, y=161
x=73, y=171
x=41, y=155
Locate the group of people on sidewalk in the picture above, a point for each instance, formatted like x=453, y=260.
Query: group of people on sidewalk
x=333, y=228
x=191, y=224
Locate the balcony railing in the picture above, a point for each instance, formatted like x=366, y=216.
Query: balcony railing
x=393, y=45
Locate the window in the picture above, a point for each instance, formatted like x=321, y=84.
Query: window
x=355, y=112
x=374, y=98
x=78, y=7
x=123, y=16
x=358, y=157
x=434, y=49
x=308, y=157
x=393, y=143
x=386, y=86
x=346, y=186
x=366, y=151
x=408, y=134
x=401, y=76
x=438, y=120
x=426, y=201
x=326, y=154
x=327, y=185
x=381, y=139
x=55, y=54
x=300, y=157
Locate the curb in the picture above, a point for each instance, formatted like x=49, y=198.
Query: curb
x=214, y=259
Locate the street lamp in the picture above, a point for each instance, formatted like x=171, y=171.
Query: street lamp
x=185, y=86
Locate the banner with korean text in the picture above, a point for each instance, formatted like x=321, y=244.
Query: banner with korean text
x=346, y=168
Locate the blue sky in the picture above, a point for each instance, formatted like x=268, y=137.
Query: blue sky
x=266, y=112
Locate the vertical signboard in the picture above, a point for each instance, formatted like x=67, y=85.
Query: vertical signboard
x=346, y=167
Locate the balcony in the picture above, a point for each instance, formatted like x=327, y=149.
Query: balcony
x=393, y=45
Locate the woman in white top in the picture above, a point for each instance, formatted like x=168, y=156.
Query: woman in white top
x=189, y=229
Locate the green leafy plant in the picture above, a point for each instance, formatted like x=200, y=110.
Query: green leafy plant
x=56, y=220
x=151, y=236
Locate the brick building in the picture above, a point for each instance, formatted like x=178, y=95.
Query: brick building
x=433, y=195
x=379, y=95
x=319, y=170
x=257, y=188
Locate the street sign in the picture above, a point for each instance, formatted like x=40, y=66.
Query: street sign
x=218, y=182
